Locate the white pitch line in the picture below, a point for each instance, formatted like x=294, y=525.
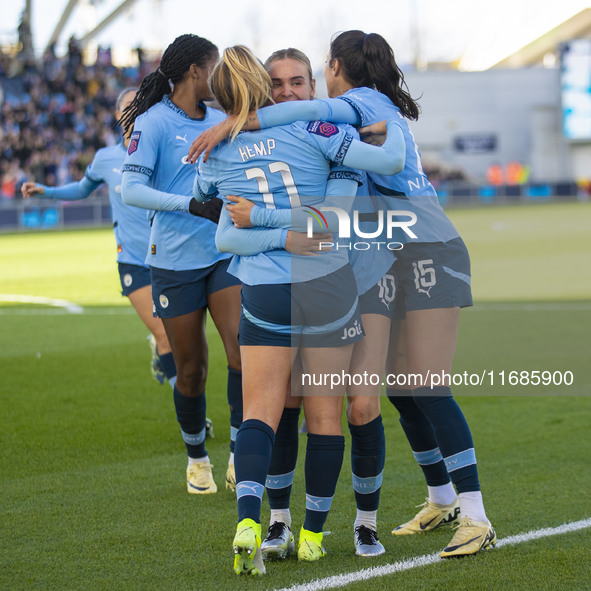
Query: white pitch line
x=70, y=307
x=337, y=581
x=536, y=534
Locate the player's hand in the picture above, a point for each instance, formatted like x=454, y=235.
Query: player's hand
x=29, y=188
x=239, y=210
x=299, y=243
x=374, y=134
x=210, y=210
x=209, y=139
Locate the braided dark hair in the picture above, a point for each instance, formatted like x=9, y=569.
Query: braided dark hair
x=178, y=57
x=368, y=60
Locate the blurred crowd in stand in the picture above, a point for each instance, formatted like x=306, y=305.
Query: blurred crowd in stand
x=56, y=113
x=440, y=177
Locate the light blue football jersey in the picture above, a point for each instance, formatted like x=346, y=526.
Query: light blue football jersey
x=130, y=224
x=158, y=148
x=281, y=167
x=409, y=190
x=370, y=256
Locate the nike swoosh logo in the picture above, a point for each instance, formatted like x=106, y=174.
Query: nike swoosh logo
x=451, y=516
x=198, y=487
x=424, y=525
x=452, y=548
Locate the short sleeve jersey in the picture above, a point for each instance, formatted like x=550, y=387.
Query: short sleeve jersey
x=280, y=167
x=410, y=189
x=130, y=224
x=158, y=148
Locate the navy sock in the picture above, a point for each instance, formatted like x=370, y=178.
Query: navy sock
x=254, y=443
x=324, y=457
x=283, y=460
x=234, y=393
x=420, y=435
x=452, y=435
x=190, y=413
x=368, y=453
x=168, y=367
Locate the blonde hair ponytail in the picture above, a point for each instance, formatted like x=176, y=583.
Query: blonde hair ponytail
x=240, y=84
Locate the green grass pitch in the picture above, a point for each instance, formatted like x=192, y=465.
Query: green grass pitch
x=92, y=465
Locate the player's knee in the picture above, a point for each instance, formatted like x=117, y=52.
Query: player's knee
x=233, y=358
x=191, y=378
x=324, y=425
x=162, y=344
x=363, y=409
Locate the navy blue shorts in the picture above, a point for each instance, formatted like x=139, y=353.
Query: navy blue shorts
x=432, y=275
x=133, y=277
x=323, y=312
x=176, y=293
x=380, y=298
